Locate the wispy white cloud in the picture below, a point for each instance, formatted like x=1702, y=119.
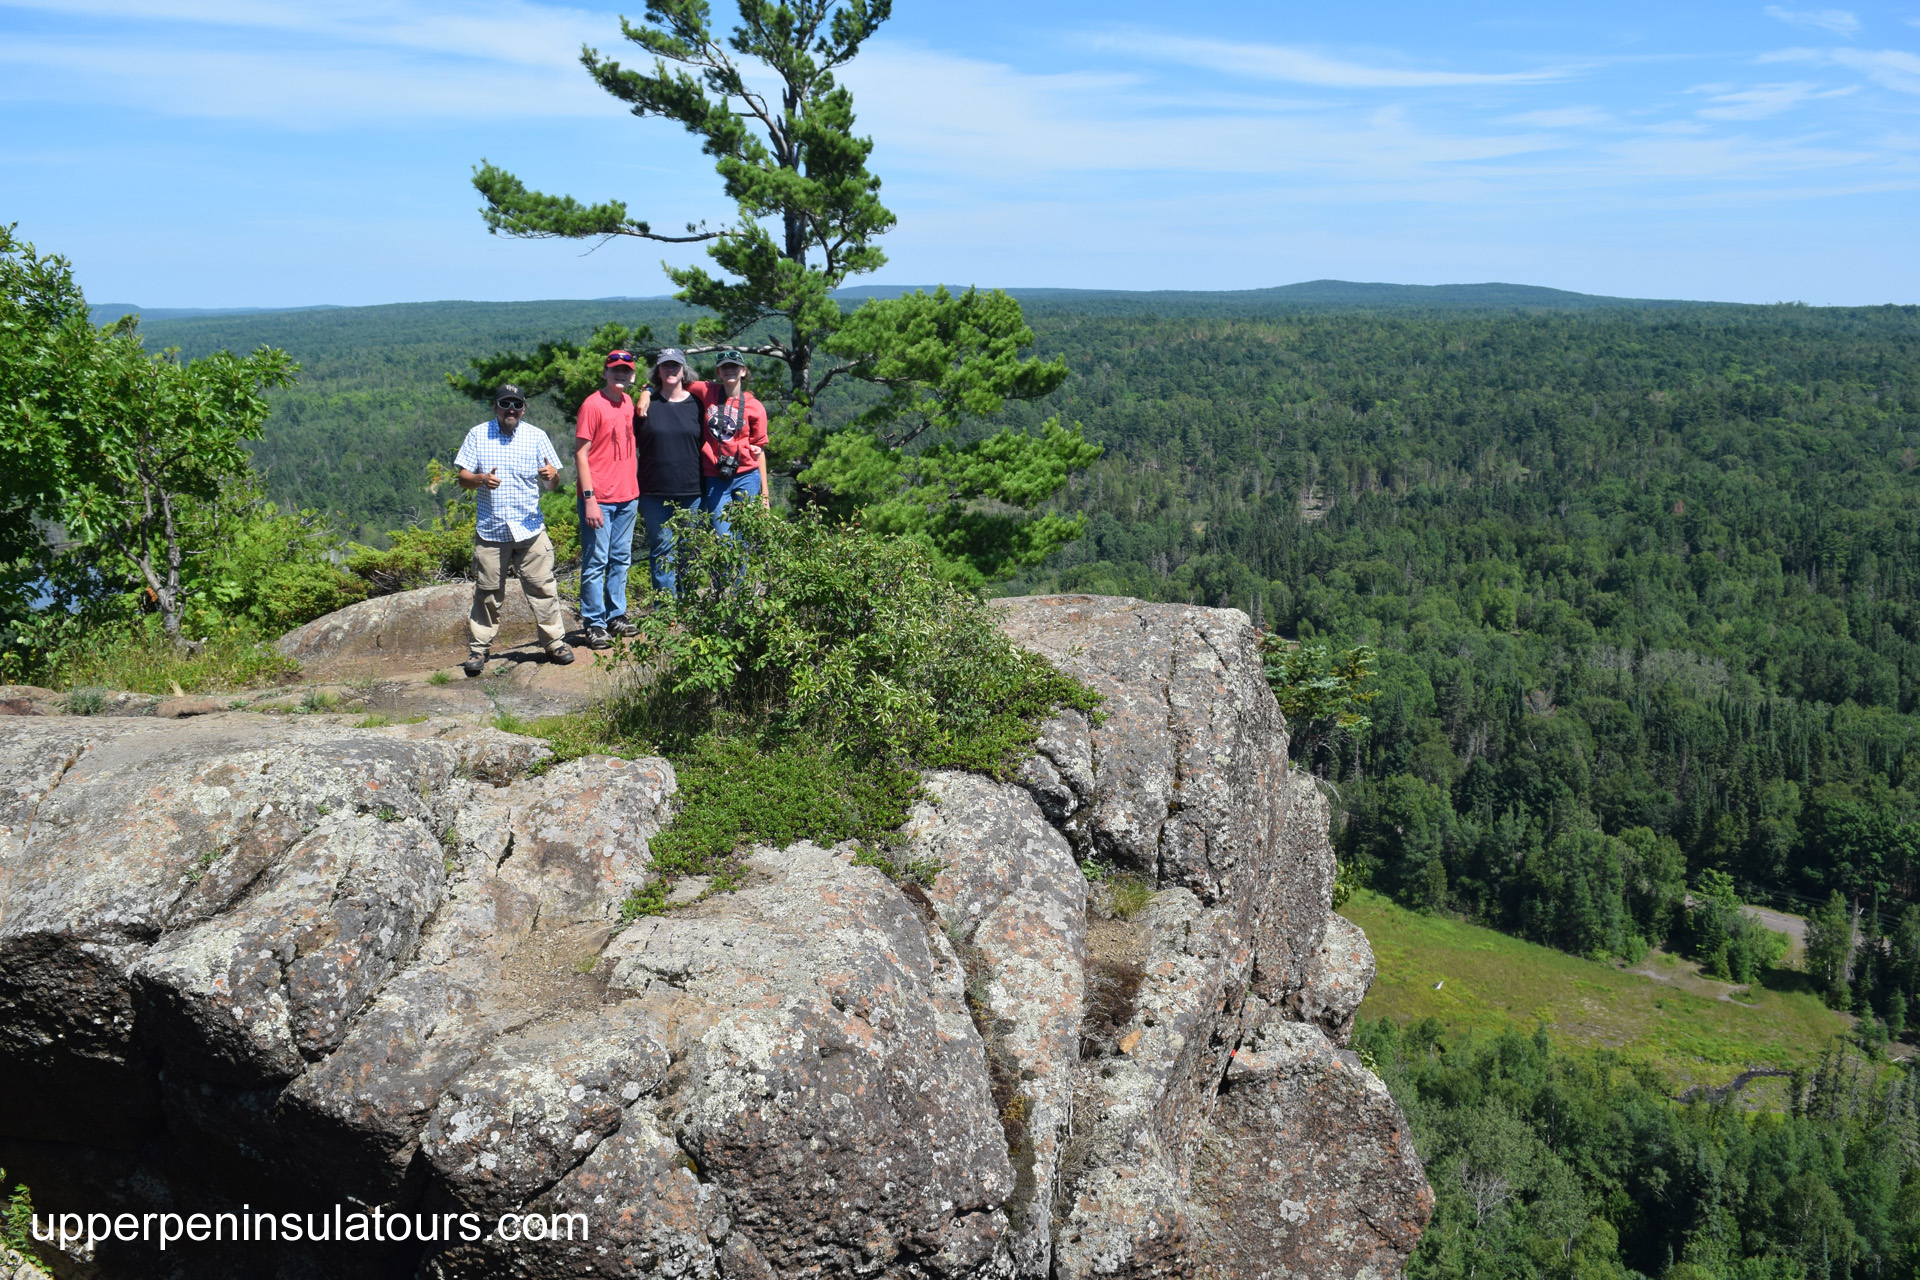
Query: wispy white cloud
x=1562, y=118
x=312, y=66
x=946, y=114
x=1894, y=69
x=1838, y=21
x=515, y=31
x=969, y=125
x=1303, y=66
x=1766, y=100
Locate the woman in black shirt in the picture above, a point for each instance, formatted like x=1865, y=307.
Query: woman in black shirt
x=667, y=449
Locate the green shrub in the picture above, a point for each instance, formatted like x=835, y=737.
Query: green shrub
x=421, y=556
x=275, y=572
x=15, y=1221
x=804, y=677
x=799, y=624
x=737, y=791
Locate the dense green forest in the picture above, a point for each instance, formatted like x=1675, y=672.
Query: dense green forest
x=1645, y=580
x=1546, y=1164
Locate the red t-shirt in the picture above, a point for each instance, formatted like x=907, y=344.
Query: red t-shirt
x=736, y=425
x=608, y=431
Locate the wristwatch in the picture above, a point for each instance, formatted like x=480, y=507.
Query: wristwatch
x=586, y=493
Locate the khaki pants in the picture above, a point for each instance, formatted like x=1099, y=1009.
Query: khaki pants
x=534, y=559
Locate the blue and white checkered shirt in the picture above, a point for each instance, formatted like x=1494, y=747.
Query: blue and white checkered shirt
x=510, y=513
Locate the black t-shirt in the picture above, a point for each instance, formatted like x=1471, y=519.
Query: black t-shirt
x=667, y=447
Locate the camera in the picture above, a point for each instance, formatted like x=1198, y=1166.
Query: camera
x=728, y=465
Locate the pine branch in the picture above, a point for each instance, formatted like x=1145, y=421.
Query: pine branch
x=513, y=210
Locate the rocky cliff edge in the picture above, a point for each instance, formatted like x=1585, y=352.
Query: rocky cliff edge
x=253, y=965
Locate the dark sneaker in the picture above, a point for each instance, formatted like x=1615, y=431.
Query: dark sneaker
x=560, y=655
x=476, y=662
x=597, y=638
x=621, y=627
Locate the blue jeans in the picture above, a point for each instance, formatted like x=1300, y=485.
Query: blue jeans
x=606, y=554
x=720, y=492
x=661, y=557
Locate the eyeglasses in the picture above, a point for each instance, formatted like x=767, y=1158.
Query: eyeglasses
x=619, y=357
x=512, y=405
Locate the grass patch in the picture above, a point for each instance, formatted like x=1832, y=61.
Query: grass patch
x=85, y=702
x=380, y=720
x=137, y=665
x=1128, y=895
x=1489, y=981
x=440, y=677
x=737, y=792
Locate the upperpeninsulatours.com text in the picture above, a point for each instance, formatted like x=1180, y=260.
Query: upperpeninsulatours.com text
x=69, y=1231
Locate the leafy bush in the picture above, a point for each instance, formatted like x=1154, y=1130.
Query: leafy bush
x=442, y=550
x=15, y=1219
x=804, y=676
x=801, y=624
x=275, y=572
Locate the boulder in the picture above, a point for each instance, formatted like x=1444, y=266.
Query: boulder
x=1337, y=981
x=1011, y=899
x=1307, y=1169
x=288, y=963
x=403, y=632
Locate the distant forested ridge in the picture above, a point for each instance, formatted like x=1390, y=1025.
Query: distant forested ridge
x=1645, y=579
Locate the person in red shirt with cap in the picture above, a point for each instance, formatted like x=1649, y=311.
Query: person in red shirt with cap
x=609, y=503
x=733, y=441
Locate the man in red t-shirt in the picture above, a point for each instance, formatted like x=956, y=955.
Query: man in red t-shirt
x=609, y=501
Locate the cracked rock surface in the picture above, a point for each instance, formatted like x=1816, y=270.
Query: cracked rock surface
x=291, y=964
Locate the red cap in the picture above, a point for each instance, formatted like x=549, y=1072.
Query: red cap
x=620, y=360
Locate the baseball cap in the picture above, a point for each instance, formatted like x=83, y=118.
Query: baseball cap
x=620, y=360
x=507, y=391
x=730, y=356
x=673, y=355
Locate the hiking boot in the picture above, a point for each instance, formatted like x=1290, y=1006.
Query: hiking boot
x=560, y=655
x=597, y=638
x=621, y=627
x=476, y=662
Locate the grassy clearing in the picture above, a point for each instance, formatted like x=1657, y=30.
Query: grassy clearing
x=223, y=663
x=1489, y=981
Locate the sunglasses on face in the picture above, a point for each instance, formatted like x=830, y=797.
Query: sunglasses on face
x=511, y=406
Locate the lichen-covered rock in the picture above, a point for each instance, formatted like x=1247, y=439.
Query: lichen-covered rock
x=1337, y=981
x=832, y=1083
x=251, y=997
x=401, y=631
x=580, y=833
x=130, y=829
x=246, y=958
x=1308, y=1171
x=539, y=1103
x=1009, y=889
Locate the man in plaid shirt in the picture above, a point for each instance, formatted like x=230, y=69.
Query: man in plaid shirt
x=508, y=464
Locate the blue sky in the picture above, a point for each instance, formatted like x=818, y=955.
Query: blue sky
x=290, y=152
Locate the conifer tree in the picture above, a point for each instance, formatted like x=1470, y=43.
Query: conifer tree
x=809, y=213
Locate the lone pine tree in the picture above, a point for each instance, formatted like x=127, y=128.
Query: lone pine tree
x=809, y=212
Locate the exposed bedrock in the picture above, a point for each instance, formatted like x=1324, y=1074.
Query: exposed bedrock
x=290, y=965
